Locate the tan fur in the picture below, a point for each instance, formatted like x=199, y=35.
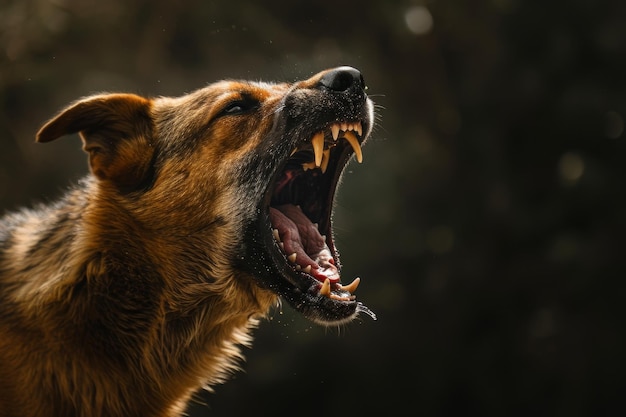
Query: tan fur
x=122, y=298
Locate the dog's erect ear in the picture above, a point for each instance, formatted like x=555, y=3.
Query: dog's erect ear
x=117, y=132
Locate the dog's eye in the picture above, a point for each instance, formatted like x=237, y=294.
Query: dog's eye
x=239, y=106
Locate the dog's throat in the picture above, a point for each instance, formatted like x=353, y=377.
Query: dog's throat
x=302, y=242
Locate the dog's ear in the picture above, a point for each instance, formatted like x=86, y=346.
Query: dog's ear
x=117, y=132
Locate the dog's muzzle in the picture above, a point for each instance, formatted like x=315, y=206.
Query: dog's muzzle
x=292, y=249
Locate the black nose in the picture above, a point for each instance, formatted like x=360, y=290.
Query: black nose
x=342, y=79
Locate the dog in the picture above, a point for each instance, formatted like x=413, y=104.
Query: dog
x=198, y=215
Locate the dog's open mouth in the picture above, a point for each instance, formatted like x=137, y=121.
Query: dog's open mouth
x=300, y=208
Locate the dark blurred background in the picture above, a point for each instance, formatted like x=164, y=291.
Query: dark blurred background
x=487, y=221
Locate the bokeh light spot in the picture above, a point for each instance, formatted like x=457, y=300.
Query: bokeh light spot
x=419, y=20
x=571, y=167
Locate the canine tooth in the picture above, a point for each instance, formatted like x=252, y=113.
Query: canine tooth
x=359, y=128
x=325, y=160
x=292, y=258
x=334, y=129
x=318, y=147
x=354, y=142
x=276, y=235
x=351, y=288
x=325, y=290
x=307, y=269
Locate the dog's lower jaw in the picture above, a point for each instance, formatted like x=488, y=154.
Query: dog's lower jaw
x=262, y=262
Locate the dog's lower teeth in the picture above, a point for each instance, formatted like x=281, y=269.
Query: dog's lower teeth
x=341, y=297
x=325, y=290
x=351, y=288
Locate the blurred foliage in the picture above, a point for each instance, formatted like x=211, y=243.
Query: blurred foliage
x=488, y=218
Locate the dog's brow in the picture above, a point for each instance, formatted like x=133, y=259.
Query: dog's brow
x=247, y=95
x=251, y=94
x=229, y=96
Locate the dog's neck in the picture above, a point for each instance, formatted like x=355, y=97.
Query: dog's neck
x=123, y=313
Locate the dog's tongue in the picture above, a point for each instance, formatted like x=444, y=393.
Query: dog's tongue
x=300, y=237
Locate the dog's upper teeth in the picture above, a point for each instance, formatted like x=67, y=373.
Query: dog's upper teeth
x=308, y=165
x=347, y=128
x=325, y=160
x=318, y=147
x=358, y=127
x=356, y=146
x=321, y=156
x=334, y=130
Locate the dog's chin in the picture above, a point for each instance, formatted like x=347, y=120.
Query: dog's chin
x=290, y=247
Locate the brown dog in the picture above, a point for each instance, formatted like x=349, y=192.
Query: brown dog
x=137, y=288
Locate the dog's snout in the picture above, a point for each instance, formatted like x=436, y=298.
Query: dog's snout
x=342, y=79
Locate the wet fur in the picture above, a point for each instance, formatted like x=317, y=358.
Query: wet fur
x=123, y=298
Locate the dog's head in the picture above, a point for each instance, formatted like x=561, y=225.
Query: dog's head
x=246, y=170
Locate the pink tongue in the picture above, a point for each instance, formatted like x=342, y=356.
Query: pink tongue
x=301, y=237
